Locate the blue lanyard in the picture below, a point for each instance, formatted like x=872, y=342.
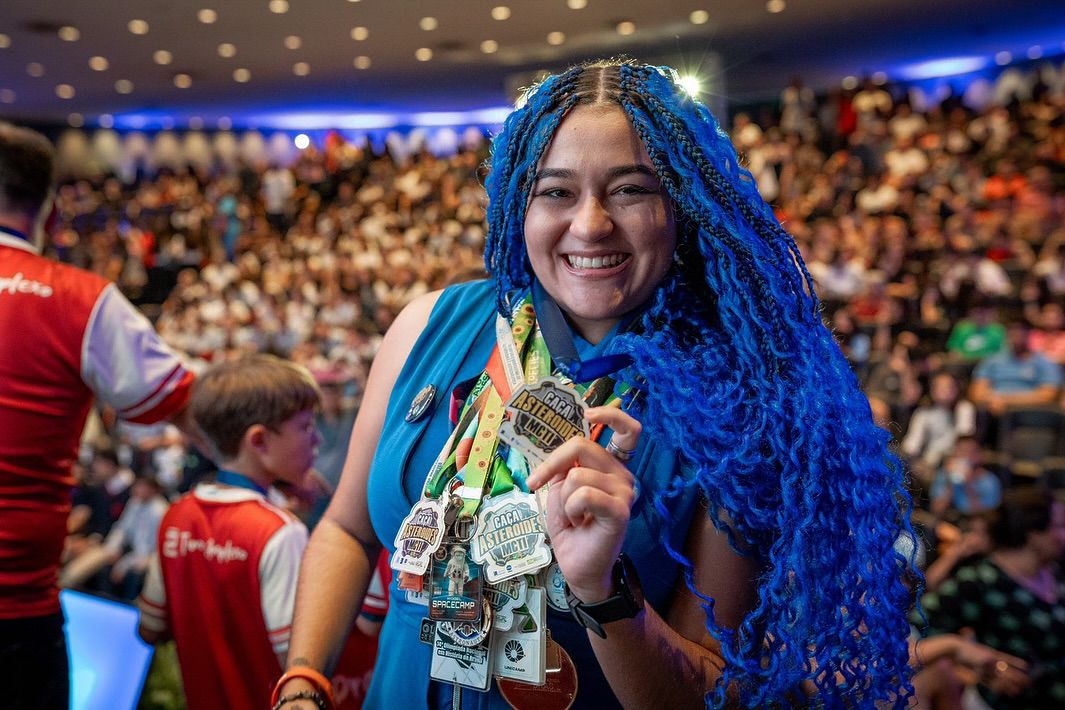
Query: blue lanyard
x=14, y=233
x=237, y=480
x=560, y=343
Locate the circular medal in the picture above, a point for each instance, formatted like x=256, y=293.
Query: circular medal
x=555, y=586
x=469, y=633
x=557, y=693
x=420, y=404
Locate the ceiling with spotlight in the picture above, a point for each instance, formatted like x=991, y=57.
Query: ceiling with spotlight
x=239, y=62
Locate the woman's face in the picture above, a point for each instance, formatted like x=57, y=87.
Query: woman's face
x=599, y=229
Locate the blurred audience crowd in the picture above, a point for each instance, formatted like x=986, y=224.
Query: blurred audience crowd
x=935, y=235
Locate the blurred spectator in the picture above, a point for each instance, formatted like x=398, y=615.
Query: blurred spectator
x=1017, y=377
x=962, y=485
x=978, y=335
x=1013, y=599
x=937, y=425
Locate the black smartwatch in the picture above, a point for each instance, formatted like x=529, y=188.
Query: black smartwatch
x=626, y=602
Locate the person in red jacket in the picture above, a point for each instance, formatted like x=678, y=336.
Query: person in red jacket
x=223, y=581
x=67, y=338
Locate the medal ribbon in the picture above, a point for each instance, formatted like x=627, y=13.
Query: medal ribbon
x=523, y=354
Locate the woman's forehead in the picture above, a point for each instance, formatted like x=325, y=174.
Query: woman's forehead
x=600, y=133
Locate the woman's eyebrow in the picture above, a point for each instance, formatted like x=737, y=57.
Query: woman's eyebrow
x=618, y=171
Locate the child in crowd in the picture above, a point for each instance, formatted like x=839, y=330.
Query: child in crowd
x=223, y=581
x=963, y=485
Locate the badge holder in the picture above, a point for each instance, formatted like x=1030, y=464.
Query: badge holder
x=521, y=654
x=455, y=585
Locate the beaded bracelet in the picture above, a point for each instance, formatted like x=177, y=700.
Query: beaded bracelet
x=322, y=687
x=300, y=695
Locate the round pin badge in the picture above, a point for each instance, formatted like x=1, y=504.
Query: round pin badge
x=420, y=404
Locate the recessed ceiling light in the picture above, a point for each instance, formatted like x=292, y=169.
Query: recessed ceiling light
x=64, y=91
x=423, y=54
x=5, y=41
x=106, y=120
x=1035, y=52
x=67, y=33
x=301, y=141
x=227, y=50
x=293, y=42
x=359, y=33
x=35, y=69
x=301, y=68
x=556, y=38
x=225, y=123
x=7, y=96
x=279, y=7
x=207, y=16
x=362, y=62
x=354, y=0
x=501, y=12
x=241, y=75
x=849, y=82
x=75, y=120
x=195, y=123
x=577, y=4
x=182, y=81
x=626, y=28
x=1003, y=58
x=489, y=46
x=428, y=23
x=138, y=27
x=775, y=6
x=98, y=63
x=699, y=17
x=124, y=86
x=161, y=56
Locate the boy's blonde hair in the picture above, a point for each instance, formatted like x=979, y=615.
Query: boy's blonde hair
x=232, y=397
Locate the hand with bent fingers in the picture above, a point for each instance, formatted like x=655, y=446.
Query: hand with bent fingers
x=588, y=504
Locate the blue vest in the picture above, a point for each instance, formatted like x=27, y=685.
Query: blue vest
x=453, y=348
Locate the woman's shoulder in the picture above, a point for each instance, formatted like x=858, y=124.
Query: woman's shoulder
x=458, y=307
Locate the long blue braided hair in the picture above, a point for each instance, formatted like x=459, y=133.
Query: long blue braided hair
x=787, y=456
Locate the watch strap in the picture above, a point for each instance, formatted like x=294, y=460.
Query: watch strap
x=625, y=603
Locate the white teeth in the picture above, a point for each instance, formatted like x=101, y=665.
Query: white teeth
x=595, y=262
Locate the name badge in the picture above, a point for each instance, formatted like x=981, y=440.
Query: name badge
x=521, y=654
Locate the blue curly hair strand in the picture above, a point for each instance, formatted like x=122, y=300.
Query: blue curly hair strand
x=788, y=459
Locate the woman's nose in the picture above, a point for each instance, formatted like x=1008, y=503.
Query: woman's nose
x=592, y=220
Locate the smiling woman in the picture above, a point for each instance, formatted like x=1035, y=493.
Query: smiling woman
x=721, y=531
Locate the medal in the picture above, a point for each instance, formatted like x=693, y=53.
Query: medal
x=510, y=539
x=420, y=404
x=469, y=633
x=419, y=535
x=543, y=416
x=555, y=588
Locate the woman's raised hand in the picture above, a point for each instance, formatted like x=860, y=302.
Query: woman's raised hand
x=589, y=501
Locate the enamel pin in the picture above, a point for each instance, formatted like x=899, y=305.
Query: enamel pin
x=420, y=404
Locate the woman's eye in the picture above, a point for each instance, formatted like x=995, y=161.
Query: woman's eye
x=554, y=192
x=632, y=190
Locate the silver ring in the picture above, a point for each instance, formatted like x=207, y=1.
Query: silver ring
x=622, y=455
